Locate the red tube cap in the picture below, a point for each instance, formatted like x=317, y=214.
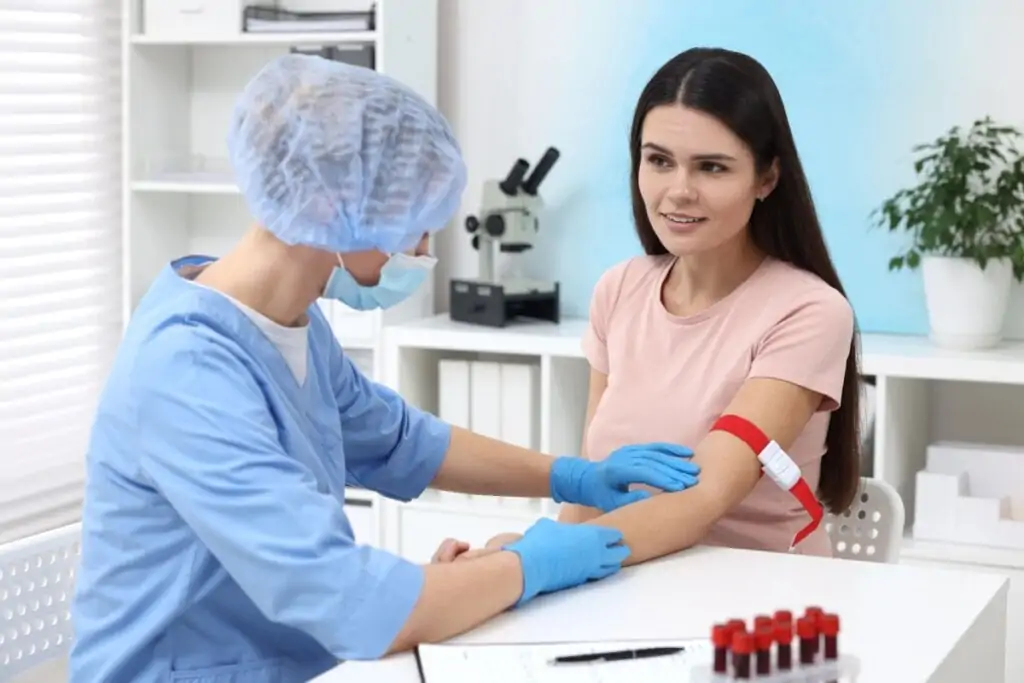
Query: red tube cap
x=721, y=635
x=742, y=643
x=735, y=625
x=806, y=628
x=813, y=611
x=829, y=624
x=783, y=615
x=764, y=637
x=761, y=621
x=784, y=632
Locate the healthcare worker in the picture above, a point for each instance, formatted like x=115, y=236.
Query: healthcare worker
x=215, y=546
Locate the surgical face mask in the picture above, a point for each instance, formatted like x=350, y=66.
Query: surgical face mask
x=399, y=278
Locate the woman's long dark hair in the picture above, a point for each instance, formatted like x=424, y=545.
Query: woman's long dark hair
x=739, y=92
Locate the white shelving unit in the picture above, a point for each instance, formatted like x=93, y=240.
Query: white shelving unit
x=179, y=194
x=923, y=394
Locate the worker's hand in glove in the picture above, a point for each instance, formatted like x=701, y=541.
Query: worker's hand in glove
x=556, y=556
x=605, y=484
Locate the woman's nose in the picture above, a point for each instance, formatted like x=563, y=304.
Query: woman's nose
x=682, y=189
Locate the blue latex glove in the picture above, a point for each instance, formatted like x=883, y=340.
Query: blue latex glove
x=605, y=484
x=556, y=556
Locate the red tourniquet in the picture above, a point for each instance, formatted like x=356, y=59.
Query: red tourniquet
x=778, y=465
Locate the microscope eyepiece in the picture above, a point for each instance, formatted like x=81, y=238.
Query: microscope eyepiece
x=510, y=185
x=540, y=171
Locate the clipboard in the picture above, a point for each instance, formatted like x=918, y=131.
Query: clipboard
x=532, y=662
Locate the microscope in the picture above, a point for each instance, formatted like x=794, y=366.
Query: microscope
x=508, y=223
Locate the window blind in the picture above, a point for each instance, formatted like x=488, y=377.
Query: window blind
x=60, y=248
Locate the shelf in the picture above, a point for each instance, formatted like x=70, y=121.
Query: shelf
x=917, y=357
x=181, y=86
x=1004, y=558
x=534, y=338
x=889, y=355
x=243, y=39
x=185, y=186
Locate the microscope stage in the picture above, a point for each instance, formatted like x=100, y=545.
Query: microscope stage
x=496, y=304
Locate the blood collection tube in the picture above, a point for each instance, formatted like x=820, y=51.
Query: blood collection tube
x=815, y=612
x=763, y=639
x=807, y=632
x=829, y=627
x=742, y=646
x=721, y=637
x=784, y=637
x=735, y=626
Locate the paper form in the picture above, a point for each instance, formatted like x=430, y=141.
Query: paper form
x=531, y=663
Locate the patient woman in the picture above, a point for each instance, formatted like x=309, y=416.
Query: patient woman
x=735, y=308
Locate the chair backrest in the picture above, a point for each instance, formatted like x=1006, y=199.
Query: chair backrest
x=36, y=583
x=872, y=528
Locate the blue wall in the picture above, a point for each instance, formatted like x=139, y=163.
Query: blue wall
x=850, y=75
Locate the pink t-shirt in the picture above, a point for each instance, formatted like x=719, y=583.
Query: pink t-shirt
x=670, y=377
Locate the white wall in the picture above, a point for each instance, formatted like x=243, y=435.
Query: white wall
x=479, y=43
x=491, y=79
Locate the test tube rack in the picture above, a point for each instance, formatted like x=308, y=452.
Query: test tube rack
x=778, y=649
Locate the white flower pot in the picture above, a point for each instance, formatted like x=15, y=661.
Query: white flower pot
x=966, y=305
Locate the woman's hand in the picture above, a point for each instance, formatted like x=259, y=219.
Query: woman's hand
x=449, y=551
x=452, y=550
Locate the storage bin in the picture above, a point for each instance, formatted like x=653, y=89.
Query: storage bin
x=186, y=20
x=971, y=493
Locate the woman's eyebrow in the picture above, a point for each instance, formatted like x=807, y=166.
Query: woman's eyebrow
x=709, y=156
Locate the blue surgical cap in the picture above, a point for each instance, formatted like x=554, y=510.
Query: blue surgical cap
x=342, y=158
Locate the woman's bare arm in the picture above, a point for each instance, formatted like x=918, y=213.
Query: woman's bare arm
x=669, y=522
x=569, y=512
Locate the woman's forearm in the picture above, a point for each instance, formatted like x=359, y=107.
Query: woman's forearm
x=570, y=513
x=484, y=466
x=662, y=524
x=458, y=596
x=669, y=522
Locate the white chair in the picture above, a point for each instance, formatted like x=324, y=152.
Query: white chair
x=872, y=528
x=36, y=583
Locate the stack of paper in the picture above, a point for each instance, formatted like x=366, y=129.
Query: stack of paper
x=533, y=663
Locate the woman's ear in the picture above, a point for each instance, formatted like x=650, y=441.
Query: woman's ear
x=769, y=179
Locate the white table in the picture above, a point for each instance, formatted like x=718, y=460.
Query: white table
x=906, y=624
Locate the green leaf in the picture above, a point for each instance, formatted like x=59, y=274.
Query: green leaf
x=968, y=201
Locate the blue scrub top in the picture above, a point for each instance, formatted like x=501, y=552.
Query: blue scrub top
x=215, y=545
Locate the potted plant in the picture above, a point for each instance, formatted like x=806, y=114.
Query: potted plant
x=965, y=218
